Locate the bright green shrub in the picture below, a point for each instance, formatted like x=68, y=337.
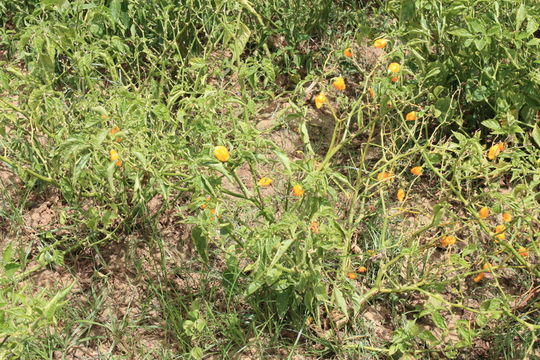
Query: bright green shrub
x=476, y=62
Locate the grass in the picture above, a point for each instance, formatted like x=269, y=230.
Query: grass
x=126, y=237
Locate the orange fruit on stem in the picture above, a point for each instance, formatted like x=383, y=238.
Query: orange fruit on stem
x=114, y=130
x=264, y=182
x=479, y=277
x=411, y=116
x=380, y=43
x=221, y=153
x=339, y=84
x=448, y=240
x=394, y=67
x=383, y=176
x=417, y=170
x=499, y=230
x=314, y=226
x=298, y=190
x=496, y=150
x=400, y=195
x=113, y=155
x=483, y=212
x=320, y=100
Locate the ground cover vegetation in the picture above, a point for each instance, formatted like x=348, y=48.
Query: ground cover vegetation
x=234, y=179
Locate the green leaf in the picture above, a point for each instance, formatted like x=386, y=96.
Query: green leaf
x=247, y=5
x=480, y=43
x=520, y=16
x=320, y=292
x=79, y=166
x=443, y=105
x=435, y=158
x=491, y=124
x=532, y=26
x=340, y=301
x=201, y=242
x=536, y=134
x=222, y=169
x=469, y=249
x=242, y=37
x=457, y=259
x=438, y=211
x=52, y=2
x=305, y=138
x=282, y=303
x=50, y=308
x=196, y=353
x=434, y=71
x=284, y=160
x=11, y=268
x=465, y=332
x=281, y=250
x=141, y=158
x=110, y=176
x=271, y=276
x=460, y=33
x=254, y=286
x=8, y=253
x=428, y=337
x=408, y=10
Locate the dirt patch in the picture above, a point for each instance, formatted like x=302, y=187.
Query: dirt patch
x=378, y=320
x=109, y=291
x=41, y=217
x=8, y=179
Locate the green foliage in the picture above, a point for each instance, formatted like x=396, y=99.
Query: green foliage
x=23, y=315
x=476, y=61
x=161, y=83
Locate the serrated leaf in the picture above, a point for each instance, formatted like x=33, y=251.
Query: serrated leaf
x=222, y=169
x=532, y=26
x=320, y=292
x=433, y=72
x=52, y=2
x=206, y=184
